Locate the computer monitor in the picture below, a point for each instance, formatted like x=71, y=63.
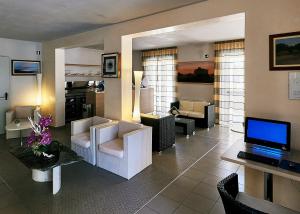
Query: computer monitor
x=270, y=133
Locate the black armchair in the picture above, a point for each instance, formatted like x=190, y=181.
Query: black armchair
x=228, y=189
x=209, y=115
x=235, y=202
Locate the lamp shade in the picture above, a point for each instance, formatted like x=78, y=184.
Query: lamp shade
x=136, y=110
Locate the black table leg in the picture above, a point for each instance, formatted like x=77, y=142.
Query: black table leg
x=268, y=186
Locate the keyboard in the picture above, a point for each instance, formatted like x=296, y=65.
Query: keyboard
x=258, y=158
x=290, y=165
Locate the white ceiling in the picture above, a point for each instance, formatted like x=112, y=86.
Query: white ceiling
x=220, y=29
x=40, y=20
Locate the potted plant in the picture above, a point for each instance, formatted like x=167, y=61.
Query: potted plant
x=40, y=139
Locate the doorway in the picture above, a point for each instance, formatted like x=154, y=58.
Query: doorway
x=4, y=90
x=209, y=45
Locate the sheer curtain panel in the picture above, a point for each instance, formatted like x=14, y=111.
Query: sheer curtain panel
x=229, y=84
x=160, y=71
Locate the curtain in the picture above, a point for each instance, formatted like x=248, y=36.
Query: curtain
x=160, y=71
x=229, y=84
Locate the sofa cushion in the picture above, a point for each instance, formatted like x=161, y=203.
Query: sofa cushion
x=195, y=114
x=126, y=127
x=186, y=105
x=82, y=139
x=199, y=106
x=113, y=147
x=183, y=113
x=23, y=112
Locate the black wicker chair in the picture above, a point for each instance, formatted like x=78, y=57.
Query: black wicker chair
x=163, y=131
x=235, y=202
x=228, y=189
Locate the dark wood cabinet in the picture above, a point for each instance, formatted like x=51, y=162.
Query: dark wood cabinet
x=74, y=106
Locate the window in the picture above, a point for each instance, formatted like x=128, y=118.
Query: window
x=160, y=71
x=229, y=84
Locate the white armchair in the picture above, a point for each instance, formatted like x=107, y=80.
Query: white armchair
x=83, y=137
x=124, y=148
x=20, y=113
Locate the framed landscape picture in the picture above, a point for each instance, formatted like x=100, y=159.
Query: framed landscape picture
x=285, y=51
x=196, y=72
x=25, y=67
x=111, y=65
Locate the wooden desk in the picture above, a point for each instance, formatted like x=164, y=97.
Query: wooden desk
x=259, y=175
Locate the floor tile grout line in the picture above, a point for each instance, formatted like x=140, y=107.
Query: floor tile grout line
x=152, y=210
x=176, y=178
x=6, y=184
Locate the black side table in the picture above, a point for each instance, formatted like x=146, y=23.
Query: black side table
x=188, y=126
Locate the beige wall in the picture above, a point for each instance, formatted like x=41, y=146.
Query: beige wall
x=266, y=92
x=196, y=52
x=23, y=89
x=195, y=91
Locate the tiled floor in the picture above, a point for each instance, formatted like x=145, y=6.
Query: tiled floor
x=195, y=190
x=185, y=184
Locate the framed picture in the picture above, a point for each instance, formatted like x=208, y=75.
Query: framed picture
x=25, y=67
x=285, y=51
x=111, y=65
x=196, y=72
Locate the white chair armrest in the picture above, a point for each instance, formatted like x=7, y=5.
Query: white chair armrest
x=80, y=126
x=10, y=116
x=108, y=123
x=106, y=132
x=93, y=130
x=99, y=120
x=139, y=136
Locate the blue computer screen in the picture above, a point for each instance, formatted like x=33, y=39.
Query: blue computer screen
x=267, y=131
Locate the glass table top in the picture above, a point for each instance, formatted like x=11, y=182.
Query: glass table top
x=63, y=155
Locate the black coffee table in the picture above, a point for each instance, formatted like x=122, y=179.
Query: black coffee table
x=43, y=169
x=188, y=126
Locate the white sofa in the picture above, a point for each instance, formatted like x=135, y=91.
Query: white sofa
x=192, y=108
x=201, y=111
x=20, y=113
x=83, y=137
x=124, y=148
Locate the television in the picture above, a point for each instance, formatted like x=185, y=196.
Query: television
x=269, y=133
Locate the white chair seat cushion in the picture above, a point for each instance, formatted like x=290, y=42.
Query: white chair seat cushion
x=114, y=147
x=196, y=114
x=82, y=139
x=262, y=205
